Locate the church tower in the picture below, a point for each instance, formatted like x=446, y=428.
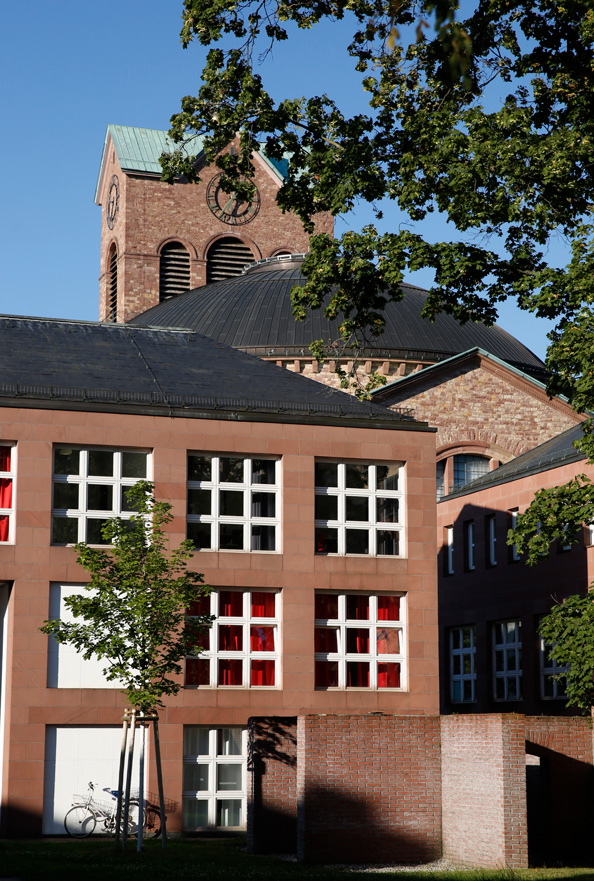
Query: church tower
x=159, y=240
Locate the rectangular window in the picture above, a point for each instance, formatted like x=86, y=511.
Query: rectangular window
x=359, y=508
x=507, y=660
x=449, y=550
x=551, y=689
x=469, y=545
x=7, y=475
x=89, y=487
x=491, y=539
x=242, y=646
x=360, y=641
x=463, y=665
x=214, y=778
x=513, y=522
x=233, y=503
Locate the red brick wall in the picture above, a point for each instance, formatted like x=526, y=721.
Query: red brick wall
x=484, y=790
x=272, y=785
x=368, y=789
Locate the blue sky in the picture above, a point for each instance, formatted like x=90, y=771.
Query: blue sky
x=68, y=69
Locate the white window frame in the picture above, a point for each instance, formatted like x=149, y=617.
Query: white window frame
x=492, y=539
x=83, y=514
x=211, y=795
x=514, y=514
x=248, y=488
x=469, y=528
x=449, y=550
x=213, y=654
x=507, y=660
x=373, y=657
x=463, y=664
x=372, y=493
x=9, y=475
x=548, y=668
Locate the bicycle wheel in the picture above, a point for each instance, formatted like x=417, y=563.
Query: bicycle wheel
x=153, y=822
x=80, y=821
x=133, y=818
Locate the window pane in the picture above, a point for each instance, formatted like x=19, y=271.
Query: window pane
x=64, y=530
x=5, y=492
x=197, y=671
x=262, y=673
x=230, y=537
x=230, y=604
x=228, y=741
x=326, y=541
x=467, y=637
x=199, y=501
x=357, y=641
x=387, y=476
x=263, y=538
x=228, y=777
x=326, y=507
x=326, y=674
x=199, y=467
x=388, y=675
x=100, y=463
x=387, y=510
x=388, y=543
x=201, y=606
x=231, y=470
x=357, y=607
x=263, y=471
x=126, y=505
x=195, y=814
x=388, y=608
x=196, y=741
x=357, y=541
x=357, y=508
x=357, y=476
x=388, y=641
x=199, y=534
x=326, y=639
x=195, y=778
x=263, y=505
x=230, y=637
x=326, y=605
x=357, y=674
x=65, y=495
x=326, y=474
x=4, y=527
x=5, y=454
x=263, y=604
x=261, y=638
x=66, y=461
x=228, y=812
x=134, y=465
x=95, y=532
x=231, y=504
x=230, y=672
x=100, y=497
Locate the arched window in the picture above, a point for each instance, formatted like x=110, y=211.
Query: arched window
x=465, y=467
x=226, y=258
x=174, y=271
x=112, y=285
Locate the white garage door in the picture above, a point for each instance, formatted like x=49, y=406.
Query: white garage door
x=73, y=757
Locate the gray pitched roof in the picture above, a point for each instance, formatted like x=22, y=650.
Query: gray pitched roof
x=253, y=312
x=79, y=365
x=552, y=454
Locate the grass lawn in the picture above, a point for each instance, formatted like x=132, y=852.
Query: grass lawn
x=212, y=860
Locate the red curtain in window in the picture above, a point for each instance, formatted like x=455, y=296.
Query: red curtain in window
x=230, y=637
x=388, y=608
x=201, y=606
x=358, y=674
x=263, y=604
x=262, y=673
x=262, y=639
x=230, y=604
x=388, y=675
x=326, y=606
x=197, y=671
x=3, y=528
x=5, y=492
x=357, y=641
x=326, y=639
x=5, y=458
x=358, y=607
x=388, y=641
x=230, y=672
x=326, y=674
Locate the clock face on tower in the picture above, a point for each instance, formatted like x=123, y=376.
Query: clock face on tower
x=113, y=201
x=229, y=207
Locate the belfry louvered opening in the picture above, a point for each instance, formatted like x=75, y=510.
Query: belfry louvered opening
x=112, y=285
x=174, y=271
x=226, y=259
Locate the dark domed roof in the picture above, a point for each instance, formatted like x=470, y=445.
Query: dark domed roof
x=252, y=312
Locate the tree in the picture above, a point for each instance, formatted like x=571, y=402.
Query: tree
x=133, y=612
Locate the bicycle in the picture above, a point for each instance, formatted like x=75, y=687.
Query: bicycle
x=82, y=818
